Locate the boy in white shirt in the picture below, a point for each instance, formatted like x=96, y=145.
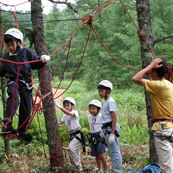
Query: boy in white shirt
x=97, y=139
x=110, y=125
x=71, y=120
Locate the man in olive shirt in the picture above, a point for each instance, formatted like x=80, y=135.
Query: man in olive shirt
x=162, y=104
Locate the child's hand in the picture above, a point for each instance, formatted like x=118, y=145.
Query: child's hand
x=112, y=139
x=57, y=104
x=45, y=58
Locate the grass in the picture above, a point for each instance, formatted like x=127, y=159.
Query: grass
x=134, y=138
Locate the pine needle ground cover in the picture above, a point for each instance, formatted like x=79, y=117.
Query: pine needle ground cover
x=133, y=139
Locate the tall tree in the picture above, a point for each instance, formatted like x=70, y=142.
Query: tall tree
x=3, y=88
x=144, y=22
x=54, y=141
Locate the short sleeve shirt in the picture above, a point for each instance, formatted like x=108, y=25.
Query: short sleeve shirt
x=71, y=122
x=161, y=96
x=95, y=123
x=109, y=105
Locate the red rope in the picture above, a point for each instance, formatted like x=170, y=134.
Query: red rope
x=137, y=29
x=54, y=158
x=78, y=66
x=14, y=96
x=1, y=35
x=99, y=8
x=16, y=4
x=68, y=46
x=37, y=94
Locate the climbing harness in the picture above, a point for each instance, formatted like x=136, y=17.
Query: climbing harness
x=95, y=138
x=106, y=129
x=74, y=135
x=37, y=107
x=162, y=122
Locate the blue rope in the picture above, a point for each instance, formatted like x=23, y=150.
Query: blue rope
x=153, y=168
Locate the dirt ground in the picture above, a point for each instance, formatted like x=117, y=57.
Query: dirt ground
x=58, y=92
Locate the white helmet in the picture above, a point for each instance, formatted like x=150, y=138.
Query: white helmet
x=70, y=99
x=107, y=84
x=96, y=103
x=15, y=33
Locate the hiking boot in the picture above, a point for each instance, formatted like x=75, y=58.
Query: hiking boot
x=25, y=136
x=8, y=130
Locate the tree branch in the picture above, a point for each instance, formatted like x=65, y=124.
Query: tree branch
x=69, y=5
x=163, y=38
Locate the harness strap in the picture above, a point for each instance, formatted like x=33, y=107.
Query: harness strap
x=164, y=138
x=109, y=125
x=95, y=138
x=158, y=120
x=28, y=85
x=82, y=140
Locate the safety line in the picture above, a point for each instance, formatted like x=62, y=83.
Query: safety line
x=137, y=28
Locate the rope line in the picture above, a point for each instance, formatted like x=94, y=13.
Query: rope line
x=16, y=4
x=137, y=28
x=17, y=25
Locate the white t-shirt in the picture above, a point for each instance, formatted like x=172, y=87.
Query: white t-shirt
x=109, y=105
x=95, y=123
x=71, y=122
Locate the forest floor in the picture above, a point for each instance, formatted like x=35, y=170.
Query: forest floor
x=37, y=163
x=33, y=162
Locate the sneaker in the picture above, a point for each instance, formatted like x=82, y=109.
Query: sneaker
x=105, y=171
x=99, y=171
x=8, y=130
x=25, y=136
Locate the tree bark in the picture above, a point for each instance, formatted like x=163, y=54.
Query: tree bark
x=4, y=98
x=54, y=141
x=144, y=22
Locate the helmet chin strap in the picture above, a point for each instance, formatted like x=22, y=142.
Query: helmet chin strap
x=106, y=94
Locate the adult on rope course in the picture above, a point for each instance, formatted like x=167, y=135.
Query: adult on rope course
x=17, y=54
x=162, y=104
x=110, y=126
x=71, y=120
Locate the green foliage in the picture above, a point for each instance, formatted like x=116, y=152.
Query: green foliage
x=119, y=35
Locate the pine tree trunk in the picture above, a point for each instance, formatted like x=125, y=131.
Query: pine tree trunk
x=144, y=22
x=54, y=141
x=4, y=98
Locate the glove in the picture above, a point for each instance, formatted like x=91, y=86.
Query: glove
x=111, y=139
x=57, y=104
x=45, y=58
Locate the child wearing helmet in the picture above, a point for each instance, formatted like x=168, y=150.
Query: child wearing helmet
x=110, y=126
x=13, y=39
x=97, y=139
x=71, y=120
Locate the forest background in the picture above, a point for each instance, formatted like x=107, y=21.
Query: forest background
x=120, y=36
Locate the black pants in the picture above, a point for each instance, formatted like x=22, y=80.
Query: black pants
x=25, y=104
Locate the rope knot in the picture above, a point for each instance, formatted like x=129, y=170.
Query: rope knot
x=89, y=22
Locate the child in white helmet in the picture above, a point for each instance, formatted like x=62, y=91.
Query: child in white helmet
x=97, y=139
x=110, y=126
x=13, y=39
x=71, y=120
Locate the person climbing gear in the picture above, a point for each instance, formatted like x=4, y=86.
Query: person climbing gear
x=105, y=84
x=15, y=33
x=96, y=103
x=70, y=99
x=95, y=138
x=74, y=135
